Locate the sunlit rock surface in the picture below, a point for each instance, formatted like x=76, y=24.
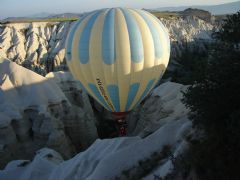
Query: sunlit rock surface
x=124, y=157
x=35, y=113
x=52, y=111
x=39, y=46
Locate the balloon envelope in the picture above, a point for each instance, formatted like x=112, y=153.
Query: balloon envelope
x=118, y=55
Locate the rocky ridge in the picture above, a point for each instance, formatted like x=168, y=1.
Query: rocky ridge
x=39, y=46
x=165, y=120
x=68, y=124
x=35, y=113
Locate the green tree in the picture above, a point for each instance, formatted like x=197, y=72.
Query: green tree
x=214, y=102
x=230, y=31
x=191, y=65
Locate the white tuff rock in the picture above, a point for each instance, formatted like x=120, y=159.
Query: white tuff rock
x=119, y=157
x=40, y=45
x=34, y=113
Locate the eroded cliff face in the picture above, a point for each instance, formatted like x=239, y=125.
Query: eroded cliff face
x=124, y=157
x=39, y=46
x=37, y=112
x=59, y=115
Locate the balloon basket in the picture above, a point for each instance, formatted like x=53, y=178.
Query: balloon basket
x=122, y=127
x=121, y=122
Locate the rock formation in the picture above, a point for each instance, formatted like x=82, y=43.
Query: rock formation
x=35, y=113
x=202, y=14
x=54, y=112
x=39, y=46
x=109, y=158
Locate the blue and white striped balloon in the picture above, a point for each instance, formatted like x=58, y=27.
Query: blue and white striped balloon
x=118, y=55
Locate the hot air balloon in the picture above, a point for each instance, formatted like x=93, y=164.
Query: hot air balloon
x=118, y=55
